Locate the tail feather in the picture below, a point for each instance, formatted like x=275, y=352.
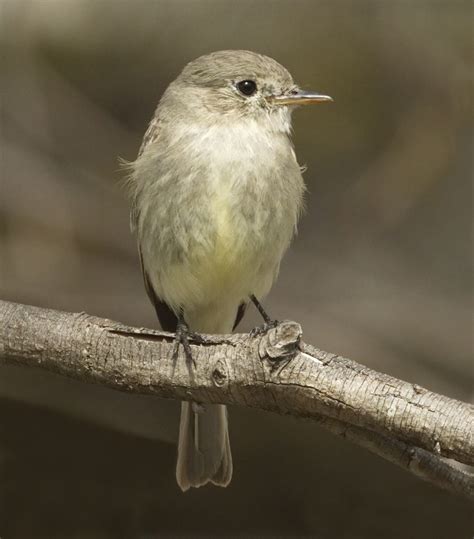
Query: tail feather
x=203, y=449
x=204, y=453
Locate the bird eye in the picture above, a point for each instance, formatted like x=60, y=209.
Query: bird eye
x=247, y=87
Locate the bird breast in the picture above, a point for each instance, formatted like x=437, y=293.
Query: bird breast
x=223, y=215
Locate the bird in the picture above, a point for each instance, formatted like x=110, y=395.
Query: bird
x=216, y=194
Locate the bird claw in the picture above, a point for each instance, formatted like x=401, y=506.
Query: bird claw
x=264, y=328
x=182, y=338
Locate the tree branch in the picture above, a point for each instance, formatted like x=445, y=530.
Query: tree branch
x=399, y=421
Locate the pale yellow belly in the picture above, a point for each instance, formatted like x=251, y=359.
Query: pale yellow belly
x=211, y=284
x=226, y=267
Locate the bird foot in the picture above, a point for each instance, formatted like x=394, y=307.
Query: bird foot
x=264, y=328
x=182, y=337
x=268, y=323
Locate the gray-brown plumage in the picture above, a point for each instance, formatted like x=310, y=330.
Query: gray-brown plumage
x=216, y=195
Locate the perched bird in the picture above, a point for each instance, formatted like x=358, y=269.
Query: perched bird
x=216, y=194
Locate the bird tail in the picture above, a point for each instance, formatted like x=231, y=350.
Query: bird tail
x=203, y=448
x=204, y=453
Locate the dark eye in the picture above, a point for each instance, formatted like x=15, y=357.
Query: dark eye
x=247, y=87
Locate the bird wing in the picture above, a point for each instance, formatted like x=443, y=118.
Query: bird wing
x=166, y=316
x=151, y=134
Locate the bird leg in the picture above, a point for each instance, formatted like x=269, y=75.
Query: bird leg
x=183, y=335
x=268, y=323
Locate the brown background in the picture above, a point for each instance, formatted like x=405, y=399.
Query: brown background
x=380, y=271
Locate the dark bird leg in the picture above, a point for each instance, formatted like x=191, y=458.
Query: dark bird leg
x=268, y=323
x=182, y=337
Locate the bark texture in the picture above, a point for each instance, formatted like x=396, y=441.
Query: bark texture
x=403, y=422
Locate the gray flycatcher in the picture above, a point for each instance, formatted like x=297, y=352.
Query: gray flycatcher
x=216, y=195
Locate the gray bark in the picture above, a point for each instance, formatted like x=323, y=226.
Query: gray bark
x=400, y=421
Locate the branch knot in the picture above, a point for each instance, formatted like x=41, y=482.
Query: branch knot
x=281, y=342
x=219, y=374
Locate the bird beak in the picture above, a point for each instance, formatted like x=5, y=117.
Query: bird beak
x=299, y=97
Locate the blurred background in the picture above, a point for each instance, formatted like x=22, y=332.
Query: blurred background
x=381, y=270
